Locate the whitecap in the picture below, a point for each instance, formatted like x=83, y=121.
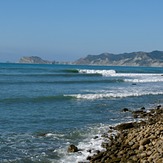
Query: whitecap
x=112, y=95
x=102, y=72
x=87, y=147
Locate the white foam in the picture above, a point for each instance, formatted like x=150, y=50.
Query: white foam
x=131, y=77
x=102, y=72
x=113, y=95
x=140, y=78
x=89, y=143
x=55, y=136
x=136, y=74
x=143, y=80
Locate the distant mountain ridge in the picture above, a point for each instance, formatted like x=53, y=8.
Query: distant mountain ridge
x=38, y=60
x=34, y=60
x=154, y=59
x=151, y=59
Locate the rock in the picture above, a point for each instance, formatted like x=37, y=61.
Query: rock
x=126, y=59
x=96, y=137
x=135, y=146
x=72, y=148
x=89, y=158
x=143, y=108
x=98, y=156
x=149, y=153
x=145, y=141
x=131, y=143
x=124, y=126
x=33, y=60
x=138, y=112
x=160, y=160
x=143, y=154
x=159, y=106
x=89, y=150
x=125, y=110
x=135, y=115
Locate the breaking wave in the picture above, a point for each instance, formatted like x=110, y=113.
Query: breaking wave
x=128, y=77
x=112, y=95
x=102, y=72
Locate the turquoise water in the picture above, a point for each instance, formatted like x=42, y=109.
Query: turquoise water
x=44, y=108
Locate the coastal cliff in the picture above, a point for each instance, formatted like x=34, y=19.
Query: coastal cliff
x=154, y=58
x=34, y=60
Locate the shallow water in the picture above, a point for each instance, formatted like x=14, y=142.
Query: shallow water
x=44, y=108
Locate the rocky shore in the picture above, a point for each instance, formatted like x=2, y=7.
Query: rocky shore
x=135, y=142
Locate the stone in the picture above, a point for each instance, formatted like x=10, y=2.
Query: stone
x=143, y=108
x=145, y=141
x=149, y=153
x=125, y=110
x=124, y=126
x=98, y=156
x=159, y=106
x=141, y=148
x=143, y=155
x=131, y=143
x=72, y=148
x=135, y=146
x=89, y=158
x=160, y=160
x=96, y=137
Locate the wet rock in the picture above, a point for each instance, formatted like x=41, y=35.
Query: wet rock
x=143, y=108
x=41, y=134
x=159, y=106
x=89, y=158
x=72, y=148
x=96, y=137
x=124, y=126
x=138, y=112
x=125, y=110
x=135, y=116
x=98, y=156
x=89, y=150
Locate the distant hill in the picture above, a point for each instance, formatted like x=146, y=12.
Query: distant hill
x=38, y=60
x=34, y=60
x=151, y=59
x=154, y=58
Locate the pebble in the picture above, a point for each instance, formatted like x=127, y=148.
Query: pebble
x=136, y=142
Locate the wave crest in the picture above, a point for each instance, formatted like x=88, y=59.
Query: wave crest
x=102, y=72
x=112, y=95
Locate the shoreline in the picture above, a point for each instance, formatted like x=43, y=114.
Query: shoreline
x=135, y=142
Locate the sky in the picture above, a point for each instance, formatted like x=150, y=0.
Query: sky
x=66, y=30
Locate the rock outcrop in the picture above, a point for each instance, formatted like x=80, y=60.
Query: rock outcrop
x=154, y=59
x=34, y=60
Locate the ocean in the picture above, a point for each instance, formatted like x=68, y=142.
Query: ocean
x=45, y=108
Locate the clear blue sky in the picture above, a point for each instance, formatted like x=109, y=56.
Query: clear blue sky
x=65, y=30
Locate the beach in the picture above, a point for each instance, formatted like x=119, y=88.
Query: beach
x=135, y=142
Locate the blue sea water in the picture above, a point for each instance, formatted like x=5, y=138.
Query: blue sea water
x=45, y=108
